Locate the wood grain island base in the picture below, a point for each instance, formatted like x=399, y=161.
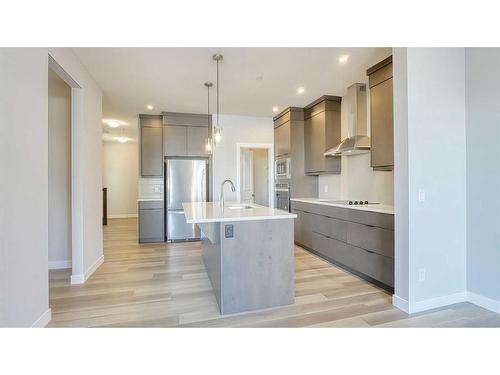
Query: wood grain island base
x=250, y=261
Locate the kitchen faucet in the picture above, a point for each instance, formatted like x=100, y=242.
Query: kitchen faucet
x=221, y=199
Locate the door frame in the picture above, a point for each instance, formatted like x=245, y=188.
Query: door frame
x=77, y=178
x=270, y=168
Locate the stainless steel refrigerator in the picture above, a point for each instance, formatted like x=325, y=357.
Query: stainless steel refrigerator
x=186, y=180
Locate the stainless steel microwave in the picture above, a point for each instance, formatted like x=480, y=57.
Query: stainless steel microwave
x=282, y=169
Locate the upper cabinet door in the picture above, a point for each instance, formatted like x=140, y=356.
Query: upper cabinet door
x=382, y=132
x=282, y=140
x=175, y=140
x=151, y=152
x=196, y=141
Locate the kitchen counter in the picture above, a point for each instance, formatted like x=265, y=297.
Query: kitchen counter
x=380, y=208
x=211, y=212
x=248, y=254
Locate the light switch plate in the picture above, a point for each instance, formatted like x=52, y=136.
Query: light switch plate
x=421, y=195
x=325, y=188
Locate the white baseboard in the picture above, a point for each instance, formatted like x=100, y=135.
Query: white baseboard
x=400, y=303
x=43, y=320
x=122, y=216
x=432, y=303
x=80, y=279
x=59, y=264
x=484, y=302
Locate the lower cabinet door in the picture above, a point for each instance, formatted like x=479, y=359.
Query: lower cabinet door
x=151, y=226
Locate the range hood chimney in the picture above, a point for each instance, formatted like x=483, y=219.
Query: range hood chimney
x=357, y=141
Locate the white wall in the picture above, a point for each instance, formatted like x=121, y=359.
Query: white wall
x=357, y=180
x=435, y=82
x=120, y=176
x=483, y=173
x=236, y=129
x=87, y=155
x=59, y=164
x=24, y=178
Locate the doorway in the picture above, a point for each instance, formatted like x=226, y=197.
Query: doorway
x=59, y=173
x=255, y=174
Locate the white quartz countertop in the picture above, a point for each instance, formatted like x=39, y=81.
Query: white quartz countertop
x=211, y=212
x=149, y=199
x=380, y=208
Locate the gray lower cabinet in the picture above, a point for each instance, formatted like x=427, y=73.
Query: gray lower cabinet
x=348, y=237
x=151, y=221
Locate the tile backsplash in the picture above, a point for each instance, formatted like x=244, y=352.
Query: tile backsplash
x=150, y=187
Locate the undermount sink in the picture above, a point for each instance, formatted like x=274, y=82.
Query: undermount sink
x=239, y=207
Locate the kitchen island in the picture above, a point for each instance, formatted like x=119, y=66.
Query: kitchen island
x=248, y=252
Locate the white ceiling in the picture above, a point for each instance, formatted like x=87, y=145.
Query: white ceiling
x=252, y=80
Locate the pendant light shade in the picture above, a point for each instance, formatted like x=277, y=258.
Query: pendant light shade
x=209, y=141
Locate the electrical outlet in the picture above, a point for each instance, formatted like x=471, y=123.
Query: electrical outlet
x=228, y=231
x=325, y=188
x=421, y=274
x=421, y=195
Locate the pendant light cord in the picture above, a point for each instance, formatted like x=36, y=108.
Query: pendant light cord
x=217, y=94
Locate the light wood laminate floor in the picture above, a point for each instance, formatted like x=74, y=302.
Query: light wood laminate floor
x=165, y=285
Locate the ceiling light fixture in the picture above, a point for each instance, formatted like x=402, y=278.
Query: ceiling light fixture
x=209, y=144
x=275, y=109
x=121, y=139
x=149, y=106
x=218, y=130
x=113, y=123
x=343, y=59
x=301, y=90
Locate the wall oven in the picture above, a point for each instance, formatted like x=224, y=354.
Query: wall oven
x=282, y=196
x=282, y=169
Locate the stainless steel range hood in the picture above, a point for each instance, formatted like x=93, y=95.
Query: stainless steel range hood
x=357, y=141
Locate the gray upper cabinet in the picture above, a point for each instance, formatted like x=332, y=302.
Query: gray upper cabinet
x=174, y=140
x=151, y=151
x=282, y=140
x=196, y=141
x=185, y=134
x=381, y=115
x=321, y=132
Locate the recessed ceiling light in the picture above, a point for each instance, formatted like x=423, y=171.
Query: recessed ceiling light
x=149, y=106
x=343, y=59
x=121, y=139
x=275, y=109
x=113, y=123
x=301, y=90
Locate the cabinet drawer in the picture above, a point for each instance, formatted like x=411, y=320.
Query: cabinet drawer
x=376, y=266
x=371, y=238
x=331, y=249
x=330, y=227
x=148, y=205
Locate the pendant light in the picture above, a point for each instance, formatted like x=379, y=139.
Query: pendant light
x=209, y=144
x=218, y=130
